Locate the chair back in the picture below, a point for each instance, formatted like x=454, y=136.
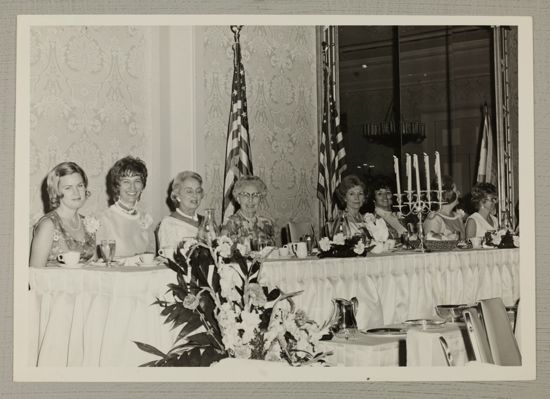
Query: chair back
x=503, y=344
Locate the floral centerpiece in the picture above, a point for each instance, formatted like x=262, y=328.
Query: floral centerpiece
x=342, y=247
x=503, y=238
x=224, y=311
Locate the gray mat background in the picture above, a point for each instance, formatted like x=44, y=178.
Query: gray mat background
x=539, y=9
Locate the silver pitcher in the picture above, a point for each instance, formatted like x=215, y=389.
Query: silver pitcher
x=343, y=314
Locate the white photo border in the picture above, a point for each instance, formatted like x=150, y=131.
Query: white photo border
x=22, y=372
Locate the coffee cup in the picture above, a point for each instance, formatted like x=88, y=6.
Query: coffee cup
x=167, y=252
x=299, y=249
x=284, y=251
x=476, y=242
x=147, y=258
x=70, y=258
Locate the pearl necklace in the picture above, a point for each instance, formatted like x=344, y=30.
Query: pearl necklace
x=129, y=211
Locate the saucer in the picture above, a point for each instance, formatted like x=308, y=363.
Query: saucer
x=385, y=332
x=75, y=266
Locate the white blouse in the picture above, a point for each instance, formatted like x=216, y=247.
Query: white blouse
x=482, y=226
x=172, y=231
x=134, y=234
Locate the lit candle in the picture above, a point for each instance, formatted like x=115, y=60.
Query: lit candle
x=409, y=175
x=427, y=170
x=437, y=167
x=397, y=182
x=417, y=174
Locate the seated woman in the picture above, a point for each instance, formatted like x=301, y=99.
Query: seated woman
x=381, y=198
x=63, y=229
x=350, y=194
x=446, y=222
x=246, y=225
x=131, y=228
x=484, y=198
x=186, y=196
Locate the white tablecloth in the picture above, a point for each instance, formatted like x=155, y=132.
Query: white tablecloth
x=394, y=288
x=89, y=317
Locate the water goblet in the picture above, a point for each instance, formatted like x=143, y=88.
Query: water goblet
x=105, y=248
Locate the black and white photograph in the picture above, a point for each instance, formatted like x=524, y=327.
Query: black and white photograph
x=274, y=198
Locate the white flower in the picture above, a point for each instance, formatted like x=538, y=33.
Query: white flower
x=224, y=249
x=496, y=238
x=324, y=244
x=242, y=351
x=225, y=240
x=191, y=302
x=378, y=230
x=274, y=352
x=339, y=239
x=91, y=224
x=369, y=218
x=145, y=221
x=187, y=245
x=359, y=248
x=242, y=249
x=460, y=213
x=250, y=320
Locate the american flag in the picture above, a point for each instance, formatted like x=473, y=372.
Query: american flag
x=238, y=160
x=332, y=154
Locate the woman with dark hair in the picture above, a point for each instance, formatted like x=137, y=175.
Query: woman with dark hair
x=185, y=196
x=350, y=194
x=484, y=199
x=131, y=228
x=381, y=197
x=446, y=222
x=63, y=229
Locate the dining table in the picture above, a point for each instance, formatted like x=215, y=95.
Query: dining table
x=91, y=316
x=396, y=286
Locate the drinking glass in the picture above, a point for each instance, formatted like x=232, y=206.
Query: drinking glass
x=262, y=243
x=108, y=248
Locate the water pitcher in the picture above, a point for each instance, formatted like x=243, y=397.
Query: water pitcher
x=343, y=314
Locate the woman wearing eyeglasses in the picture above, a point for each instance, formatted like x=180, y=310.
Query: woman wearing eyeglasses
x=186, y=196
x=484, y=198
x=246, y=225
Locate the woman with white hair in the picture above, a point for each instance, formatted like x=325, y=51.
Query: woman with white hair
x=63, y=229
x=246, y=225
x=186, y=196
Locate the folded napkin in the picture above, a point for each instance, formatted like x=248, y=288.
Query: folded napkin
x=129, y=261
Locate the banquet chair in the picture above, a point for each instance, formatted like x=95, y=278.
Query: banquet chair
x=491, y=334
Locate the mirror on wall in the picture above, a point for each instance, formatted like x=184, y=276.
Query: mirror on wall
x=414, y=89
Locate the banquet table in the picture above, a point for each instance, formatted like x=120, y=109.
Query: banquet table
x=419, y=347
x=395, y=287
x=90, y=316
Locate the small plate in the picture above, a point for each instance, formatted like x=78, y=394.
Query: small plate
x=76, y=266
x=152, y=264
x=386, y=332
x=424, y=322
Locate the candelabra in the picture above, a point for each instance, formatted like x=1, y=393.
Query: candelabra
x=418, y=203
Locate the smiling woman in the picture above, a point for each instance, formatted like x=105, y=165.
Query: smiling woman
x=63, y=229
x=124, y=222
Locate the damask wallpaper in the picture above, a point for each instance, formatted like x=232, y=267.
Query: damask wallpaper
x=280, y=65
x=89, y=103
x=92, y=95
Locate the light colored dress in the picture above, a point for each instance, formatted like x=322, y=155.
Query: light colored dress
x=172, y=231
x=445, y=225
x=64, y=242
x=482, y=226
x=239, y=228
x=134, y=234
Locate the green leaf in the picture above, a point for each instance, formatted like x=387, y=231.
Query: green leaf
x=201, y=338
x=149, y=349
x=191, y=326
